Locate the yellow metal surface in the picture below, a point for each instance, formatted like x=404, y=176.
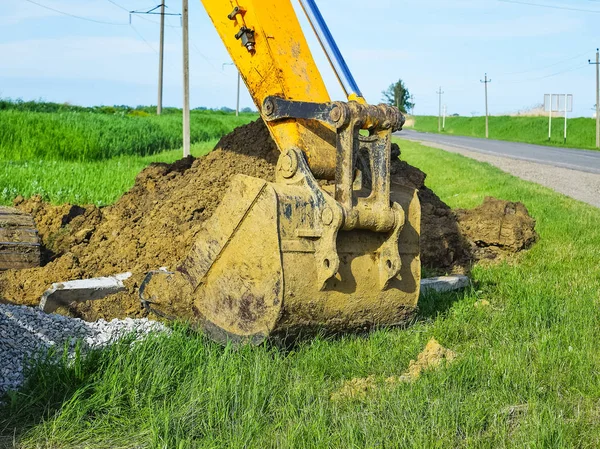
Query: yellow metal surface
x=281, y=64
x=235, y=267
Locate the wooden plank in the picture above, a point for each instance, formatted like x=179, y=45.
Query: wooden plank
x=23, y=235
x=11, y=217
x=19, y=240
x=18, y=261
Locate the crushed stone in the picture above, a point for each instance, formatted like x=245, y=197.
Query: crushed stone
x=27, y=333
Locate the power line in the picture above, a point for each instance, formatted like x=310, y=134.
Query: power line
x=117, y=5
x=142, y=38
x=206, y=58
x=125, y=9
x=73, y=15
x=572, y=69
x=151, y=12
x=548, y=66
x=567, y=8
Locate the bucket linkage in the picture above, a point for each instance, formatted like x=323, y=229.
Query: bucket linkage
x=283, y=258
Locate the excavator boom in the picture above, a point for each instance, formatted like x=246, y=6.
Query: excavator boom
x=266, y=43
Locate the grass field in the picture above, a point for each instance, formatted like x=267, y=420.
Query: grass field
x=527, y=372
x=89, y=155
x=81, y=182
x=47, y=131
x=581, y=132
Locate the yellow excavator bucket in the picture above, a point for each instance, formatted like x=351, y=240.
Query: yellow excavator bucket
x=297, y=255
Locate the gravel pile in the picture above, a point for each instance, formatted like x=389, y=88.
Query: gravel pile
x=26, y=332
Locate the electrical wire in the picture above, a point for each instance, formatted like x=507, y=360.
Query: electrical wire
x=195, y=48
x=140, y=16
x=117, y=5
x=572, y=69
x=548, y=66
x=142, y=38
x=73, y=15
x=566, y=8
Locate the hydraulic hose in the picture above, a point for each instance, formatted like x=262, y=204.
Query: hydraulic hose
x=342, y=72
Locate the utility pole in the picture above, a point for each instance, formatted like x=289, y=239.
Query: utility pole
x=597, y=64
x=161, y=57
x=162, y=46
x=487, y=129
x=186, y=80
x=237, y=103
x=444, y=117
x=440, y=93
x=566, y=107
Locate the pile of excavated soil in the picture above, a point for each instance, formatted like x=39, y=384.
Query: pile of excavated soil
x=496, y=228
x=155, y=223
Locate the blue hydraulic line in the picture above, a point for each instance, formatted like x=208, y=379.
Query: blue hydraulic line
x=330, y=48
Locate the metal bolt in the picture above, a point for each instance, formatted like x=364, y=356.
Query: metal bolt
x=335, y=114
x=288, y=164
x=327, y=216
x=268, y=107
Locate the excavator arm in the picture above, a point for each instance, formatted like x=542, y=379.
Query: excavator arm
x=266, y=43
x=303, y=253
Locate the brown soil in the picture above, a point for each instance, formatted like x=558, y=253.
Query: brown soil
x=497, y=228
x=155, y=223
x=432, y=357
x=152, y=225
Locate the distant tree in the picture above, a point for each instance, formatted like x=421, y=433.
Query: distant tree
x=398, y=95
x=247, y=109
x=226, y=109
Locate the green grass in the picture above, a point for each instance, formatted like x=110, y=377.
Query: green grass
x=48, y=106
x=535, y=346
x=87, y=136
x=81, y=182
x=581, y=132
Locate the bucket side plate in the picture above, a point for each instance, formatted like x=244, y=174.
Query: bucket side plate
x=235, y=265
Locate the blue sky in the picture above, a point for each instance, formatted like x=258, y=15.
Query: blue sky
x=527, y=51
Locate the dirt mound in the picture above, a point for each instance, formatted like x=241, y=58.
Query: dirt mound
x=155, y=223
x=60, y=227
x=152, y=225
x=431, y=358
x=497, y=228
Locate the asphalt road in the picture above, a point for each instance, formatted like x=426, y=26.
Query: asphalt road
x=574, y=159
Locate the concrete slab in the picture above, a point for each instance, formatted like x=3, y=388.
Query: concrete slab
x=444, y=283
x=65, y=293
